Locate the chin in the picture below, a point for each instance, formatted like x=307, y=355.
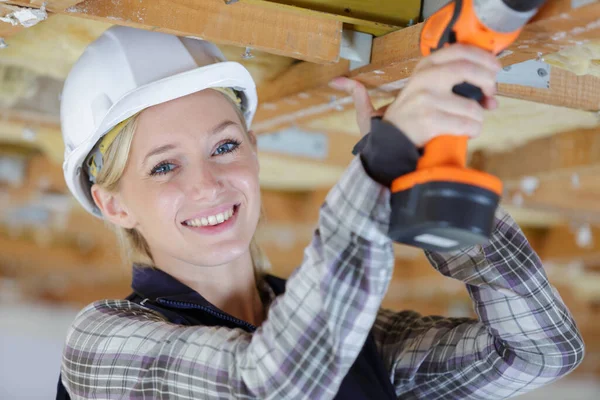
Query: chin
x=219, y=254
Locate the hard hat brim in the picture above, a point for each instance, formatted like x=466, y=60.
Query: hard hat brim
x=223, y=74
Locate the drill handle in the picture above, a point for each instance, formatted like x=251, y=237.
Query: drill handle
x=469, y=91
x=450, y=150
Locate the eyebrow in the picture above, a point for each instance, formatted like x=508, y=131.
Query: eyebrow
x=164, y=148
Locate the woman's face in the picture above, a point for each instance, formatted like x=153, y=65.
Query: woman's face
x=191, y=183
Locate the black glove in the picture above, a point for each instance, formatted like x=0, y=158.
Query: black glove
x=386, y=152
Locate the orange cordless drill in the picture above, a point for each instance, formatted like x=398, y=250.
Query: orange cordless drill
x=444, y=205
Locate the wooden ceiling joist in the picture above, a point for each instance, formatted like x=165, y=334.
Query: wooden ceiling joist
x=566, y=90
x=557, y=173
x=561, y=245
x=376, y=17
x=394, y=56
x=53, y=5
x=283, y=32
x=7, y=29
x=548, y=158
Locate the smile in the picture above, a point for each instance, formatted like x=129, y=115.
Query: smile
x=211, y=220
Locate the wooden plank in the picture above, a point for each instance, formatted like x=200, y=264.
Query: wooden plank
x=376, y=17
x=6, y=29
x=566, y=90
x=560, y=246
x=286, y=33
x=395, y=55
x=372, y=27
x=20, y=257
x=387, y=11
x=52, y=5
x=559, y=195
x=556, y=174
x=547, y=158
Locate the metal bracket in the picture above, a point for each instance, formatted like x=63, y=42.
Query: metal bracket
x=356, y=47
x=295, y=142
x=532, y=73
x=580, y=3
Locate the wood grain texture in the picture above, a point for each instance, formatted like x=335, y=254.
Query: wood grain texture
x=7, y=30
x=358, y=21
x=286, y=33
x=566, y=90
x=558, y=155
x=52, y=5
x=557, y=174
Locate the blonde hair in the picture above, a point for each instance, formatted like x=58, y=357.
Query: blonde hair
x=134, y=247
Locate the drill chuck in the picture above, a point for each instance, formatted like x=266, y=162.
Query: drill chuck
x=524, y=5
x=505, y=16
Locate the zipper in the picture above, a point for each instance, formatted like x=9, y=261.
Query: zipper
x=215, y=313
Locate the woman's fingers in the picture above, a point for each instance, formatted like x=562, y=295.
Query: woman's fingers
x=490, y=103
x=362, y=101
x=442, y=78
x=444, y=123
x=461, y=106
x=423, y=116
x=427, y=107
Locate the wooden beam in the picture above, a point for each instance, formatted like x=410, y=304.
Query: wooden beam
x=375, y=17
x=20, y=257
x=52, y=5
x=397, y=13
x=561, y=155
x=281, y=32
x=43, y=135
x=395, y=55
x=566, y=90
x=7, y=29
x=556, y=173
x=560, y=246
x=360, y=25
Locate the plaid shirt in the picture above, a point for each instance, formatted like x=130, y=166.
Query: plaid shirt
x=524, y=337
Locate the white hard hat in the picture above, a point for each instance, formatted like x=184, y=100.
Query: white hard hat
x=127, y=70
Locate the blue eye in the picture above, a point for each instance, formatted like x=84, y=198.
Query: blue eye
x=162, y=168
x=227, y=147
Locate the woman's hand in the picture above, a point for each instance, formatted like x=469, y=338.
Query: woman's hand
x=427, y=107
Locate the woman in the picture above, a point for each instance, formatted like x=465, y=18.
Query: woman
x=157, y=145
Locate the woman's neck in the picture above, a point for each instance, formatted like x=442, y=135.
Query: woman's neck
x=230, y=287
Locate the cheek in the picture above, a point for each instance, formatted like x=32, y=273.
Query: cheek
x=244, y=178
x=168, y=198
x=154, y=200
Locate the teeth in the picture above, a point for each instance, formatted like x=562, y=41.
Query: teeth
x=210, y=220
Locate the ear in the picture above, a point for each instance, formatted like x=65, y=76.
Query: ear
x=112, y=207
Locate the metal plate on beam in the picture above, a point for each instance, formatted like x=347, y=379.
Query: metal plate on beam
x=532, y=73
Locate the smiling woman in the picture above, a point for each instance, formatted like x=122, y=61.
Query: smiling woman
x=117, y=156
x=156, y=139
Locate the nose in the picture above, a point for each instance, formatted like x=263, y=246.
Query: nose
x=204, y=183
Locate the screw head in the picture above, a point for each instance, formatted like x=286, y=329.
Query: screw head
x=247, y=54
x=542, y=72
